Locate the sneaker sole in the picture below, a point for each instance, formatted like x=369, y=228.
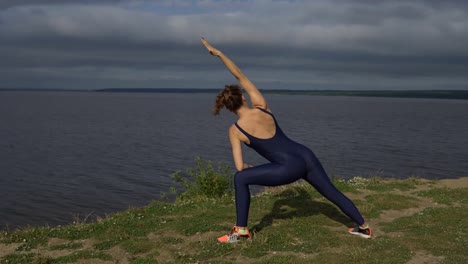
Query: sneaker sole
x=360, y=234
x=240, y=239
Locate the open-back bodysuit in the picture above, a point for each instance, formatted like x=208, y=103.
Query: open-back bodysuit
x=289, y=162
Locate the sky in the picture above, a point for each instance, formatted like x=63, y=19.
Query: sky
x=278, y=44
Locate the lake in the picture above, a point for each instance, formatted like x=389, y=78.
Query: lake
x=72, y=154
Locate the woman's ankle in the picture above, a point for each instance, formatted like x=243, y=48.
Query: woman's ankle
x=243, y=230
x=364, y=226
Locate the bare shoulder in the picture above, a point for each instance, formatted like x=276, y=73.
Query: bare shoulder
x=262, y=106
x=265, y=107
x=234, y=135
x=233, y=131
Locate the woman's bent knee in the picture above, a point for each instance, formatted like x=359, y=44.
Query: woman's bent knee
x=238, y=179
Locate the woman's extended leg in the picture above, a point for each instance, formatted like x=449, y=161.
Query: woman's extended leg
x=318, y=178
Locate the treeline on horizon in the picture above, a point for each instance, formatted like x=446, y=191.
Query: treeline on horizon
x=436, y=94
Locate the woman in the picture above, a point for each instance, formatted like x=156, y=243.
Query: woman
x=290, y=161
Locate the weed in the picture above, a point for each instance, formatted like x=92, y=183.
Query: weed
x=204, y=180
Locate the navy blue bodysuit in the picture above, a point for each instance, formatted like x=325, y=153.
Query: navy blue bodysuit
x=289, y=162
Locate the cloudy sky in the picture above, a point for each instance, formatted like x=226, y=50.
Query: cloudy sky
x=279, y=44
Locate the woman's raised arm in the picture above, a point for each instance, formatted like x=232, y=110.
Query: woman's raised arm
x=255, y=95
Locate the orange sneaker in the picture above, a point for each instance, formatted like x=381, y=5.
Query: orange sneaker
x=234, y=236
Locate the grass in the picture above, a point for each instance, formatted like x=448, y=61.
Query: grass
x=84, y=254
x=447, y=195
x=70, y=245
x=290, y=224
x=424, y=231
x=376, y=203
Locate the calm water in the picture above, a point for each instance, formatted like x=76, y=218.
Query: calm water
x=64, y=154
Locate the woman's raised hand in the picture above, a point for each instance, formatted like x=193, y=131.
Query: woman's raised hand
x=210, y=48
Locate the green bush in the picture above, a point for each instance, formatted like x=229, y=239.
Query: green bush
x=204, y=181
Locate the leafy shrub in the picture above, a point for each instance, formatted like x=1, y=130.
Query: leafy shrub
x=204, y=180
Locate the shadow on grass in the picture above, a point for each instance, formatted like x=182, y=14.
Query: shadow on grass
x=301, y=204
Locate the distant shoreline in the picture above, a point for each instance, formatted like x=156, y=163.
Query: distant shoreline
x=430, y=94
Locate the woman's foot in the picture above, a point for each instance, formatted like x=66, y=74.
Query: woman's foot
x=365, y=232
x=235, y=236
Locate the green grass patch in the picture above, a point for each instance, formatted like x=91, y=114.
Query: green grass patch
x=379, y=250
x=381, y=185
x=352, y=186
x=203, y=222
x=29, y=237
x=286, y=258
x=29, y=258
x=376, y=203
x=171, y=240
x=137, y=245
x=294, y=203
x=105, y=245
x=440, y=231
x=33, y=237
x=18, y=258
x=144, y=260
x=71, y=245
x=131, y=223
x=446, y=195
x=202, y=250
x=83, y=254
x=293, y=235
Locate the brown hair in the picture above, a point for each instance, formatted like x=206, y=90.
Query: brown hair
x=230, y=97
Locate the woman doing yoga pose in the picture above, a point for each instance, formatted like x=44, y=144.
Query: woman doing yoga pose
x=290, y=161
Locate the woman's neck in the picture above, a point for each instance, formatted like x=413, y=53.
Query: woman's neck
x=242, y=110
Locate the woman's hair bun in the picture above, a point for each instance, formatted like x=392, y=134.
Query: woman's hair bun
x=230, y=97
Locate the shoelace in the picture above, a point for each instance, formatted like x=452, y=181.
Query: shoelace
x=233, y=236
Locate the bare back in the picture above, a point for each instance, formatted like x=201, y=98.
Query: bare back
x=258, y=124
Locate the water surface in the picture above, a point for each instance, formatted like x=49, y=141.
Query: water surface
x=64, y=154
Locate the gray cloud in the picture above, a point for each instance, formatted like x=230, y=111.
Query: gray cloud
x=280, y=44
x=11, y=3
